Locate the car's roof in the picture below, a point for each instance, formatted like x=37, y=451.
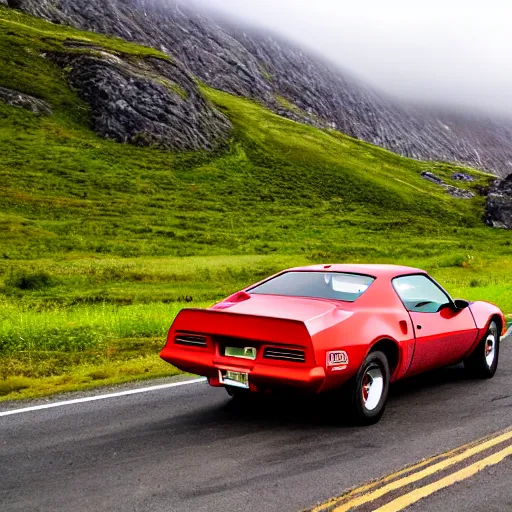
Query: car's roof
x=371, y=270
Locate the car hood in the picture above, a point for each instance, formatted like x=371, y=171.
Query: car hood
x=315, y=313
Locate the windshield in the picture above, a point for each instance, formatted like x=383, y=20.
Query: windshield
x=320, y=285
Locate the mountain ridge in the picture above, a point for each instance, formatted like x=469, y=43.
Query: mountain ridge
x=288, y=81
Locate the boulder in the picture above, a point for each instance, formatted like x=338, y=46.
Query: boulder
x=498, y=212
x=461, y=176
x=430, y=176
x=18, y=99
x=460, y=193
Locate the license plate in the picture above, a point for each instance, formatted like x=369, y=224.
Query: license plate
x=235, y=379
x=242, y=352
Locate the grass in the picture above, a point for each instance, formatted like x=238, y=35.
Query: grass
x=80, y=329
x=288, y=105
x=84, y=377
x=102, y=243
x=53, y=346
x=70, y=348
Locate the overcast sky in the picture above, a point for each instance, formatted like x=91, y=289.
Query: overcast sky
x=446, y=51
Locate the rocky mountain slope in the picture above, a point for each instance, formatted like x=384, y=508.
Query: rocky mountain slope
x=499, y=204
x=288, y=80
x=147, y=102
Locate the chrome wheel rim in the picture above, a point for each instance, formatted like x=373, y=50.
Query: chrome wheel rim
x=372, y=387
x=490, y=347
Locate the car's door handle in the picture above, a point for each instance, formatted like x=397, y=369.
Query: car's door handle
x=418, y=327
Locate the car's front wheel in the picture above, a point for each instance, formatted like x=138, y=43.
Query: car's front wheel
x=368, y=391
x=483, y=362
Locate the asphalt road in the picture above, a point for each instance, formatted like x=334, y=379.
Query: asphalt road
x=189, y=448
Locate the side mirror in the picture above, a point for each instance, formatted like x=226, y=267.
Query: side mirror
x=460, y=304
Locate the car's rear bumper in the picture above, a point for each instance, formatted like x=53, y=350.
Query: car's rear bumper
x=262, y=377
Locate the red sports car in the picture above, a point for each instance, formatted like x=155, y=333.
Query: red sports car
x=353, y=328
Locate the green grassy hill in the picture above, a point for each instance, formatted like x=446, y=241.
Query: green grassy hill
x=101, y=243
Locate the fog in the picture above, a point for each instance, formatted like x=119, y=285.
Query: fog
x=451, y=52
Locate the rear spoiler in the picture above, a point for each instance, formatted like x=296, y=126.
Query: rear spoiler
x=247, y=327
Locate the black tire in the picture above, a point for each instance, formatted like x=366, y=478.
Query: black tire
x=363, y=410
x=238, y=394
x=479, y=363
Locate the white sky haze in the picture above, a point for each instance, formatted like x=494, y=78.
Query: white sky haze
x=453, y=51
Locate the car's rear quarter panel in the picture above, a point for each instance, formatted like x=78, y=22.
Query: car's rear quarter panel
x=376, y=316
x=358, y=335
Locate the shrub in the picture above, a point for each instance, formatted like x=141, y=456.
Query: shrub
x=23, y=280
x=13, y=384
x=100, y=374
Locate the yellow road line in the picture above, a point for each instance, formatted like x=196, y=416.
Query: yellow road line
x=372, y=496
x=370, y=485
x=416, y=495
x=396, y=474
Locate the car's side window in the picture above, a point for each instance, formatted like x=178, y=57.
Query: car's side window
x=420, y=294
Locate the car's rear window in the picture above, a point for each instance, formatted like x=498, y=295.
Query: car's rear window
x=320, y=285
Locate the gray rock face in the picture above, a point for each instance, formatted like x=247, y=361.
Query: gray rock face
x=267, y=69
x=18, y=99
x=149, y=103
x=499, y=204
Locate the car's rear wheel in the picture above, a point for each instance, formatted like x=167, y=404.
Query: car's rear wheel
x=237, y=394
x=368, y=391
x=483, y=362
